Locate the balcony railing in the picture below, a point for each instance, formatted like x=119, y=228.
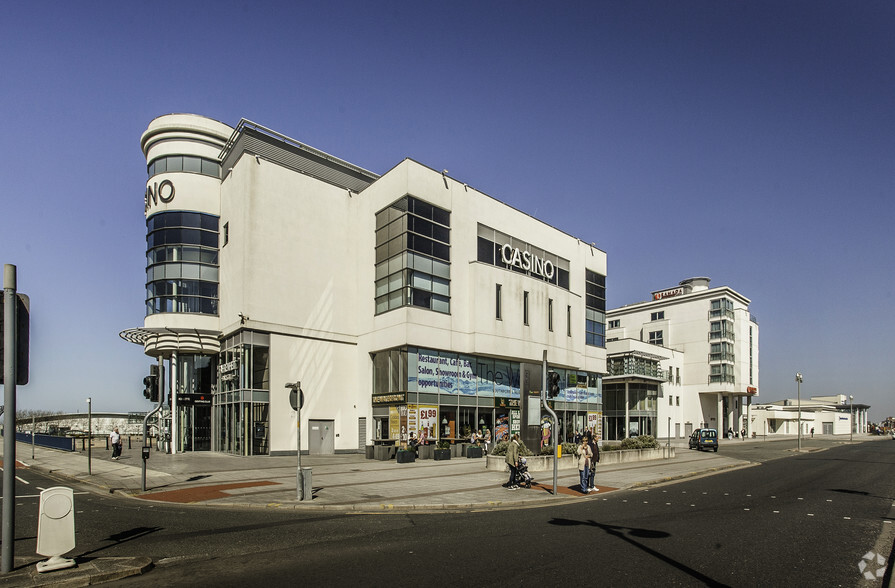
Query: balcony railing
x=722, y=379
x=716, y=335
x=616, y=370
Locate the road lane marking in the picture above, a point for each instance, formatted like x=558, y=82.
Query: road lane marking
x=38, y=495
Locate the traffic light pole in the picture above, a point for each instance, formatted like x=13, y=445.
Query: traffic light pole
x=555, y=435
x=9, y=417
x=145, y=449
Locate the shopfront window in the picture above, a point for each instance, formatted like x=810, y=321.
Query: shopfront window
x=449, y=396
x=195, y=381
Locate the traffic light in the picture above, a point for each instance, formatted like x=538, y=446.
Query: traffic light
x=150, y=384
x=552, y=384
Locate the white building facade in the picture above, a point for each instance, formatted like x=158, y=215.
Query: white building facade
x=406, y=303
x=703, y=345
x=821, y=415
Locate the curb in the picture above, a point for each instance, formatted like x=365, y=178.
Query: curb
x=87, y=572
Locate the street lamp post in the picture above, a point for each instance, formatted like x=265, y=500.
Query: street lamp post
x=851, y=412
x=799, y=400
x=89, y=436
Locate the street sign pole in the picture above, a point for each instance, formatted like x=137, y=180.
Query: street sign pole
x=297, y=399
x=7, y=552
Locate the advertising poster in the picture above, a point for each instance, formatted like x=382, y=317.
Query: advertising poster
x=506, y=379
x=502, y=428
x=422, y=422
x=433, y=372
x=546, y=430
x=402, y=419
x=466, y=376
x=515, y=422
x=485, y=377
x=595, y=424
x=394, y=423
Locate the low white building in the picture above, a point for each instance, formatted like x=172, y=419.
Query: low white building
x=823, y=415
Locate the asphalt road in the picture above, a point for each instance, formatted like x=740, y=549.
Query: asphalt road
x=797, y=519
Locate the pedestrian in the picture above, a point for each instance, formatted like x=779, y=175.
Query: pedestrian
x=595, y=459
x=584, y=457
x=729, y=433
x=812, y=432
x=743, y=434
x=487, y=439
x=512, y=460
x=577, y=437
x=115, y=440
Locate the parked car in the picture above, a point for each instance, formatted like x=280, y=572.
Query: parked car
x=704, y=439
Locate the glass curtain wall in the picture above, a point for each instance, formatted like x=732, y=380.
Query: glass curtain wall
x=640, y=416
x=242, y=407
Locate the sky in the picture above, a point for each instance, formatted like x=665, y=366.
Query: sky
x=748, y=141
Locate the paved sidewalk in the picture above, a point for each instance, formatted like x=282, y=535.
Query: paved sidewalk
x=345, y=482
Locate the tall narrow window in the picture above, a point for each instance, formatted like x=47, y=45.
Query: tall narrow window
x=550, y=314
x=595, y=309
x=569, y=321
x=497, y=309
x=525, y=308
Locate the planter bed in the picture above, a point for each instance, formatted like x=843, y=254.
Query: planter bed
x=543, y=463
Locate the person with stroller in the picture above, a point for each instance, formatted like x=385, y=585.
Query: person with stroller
x=512, y=460
x=584, y=457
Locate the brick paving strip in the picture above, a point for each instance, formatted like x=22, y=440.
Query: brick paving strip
x=202, y=493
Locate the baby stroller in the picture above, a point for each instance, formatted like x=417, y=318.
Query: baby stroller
x=523, y=478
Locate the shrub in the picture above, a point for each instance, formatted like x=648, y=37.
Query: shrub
x=443, y=445
x=569, y=449
x=500, y=448
x=641, y=442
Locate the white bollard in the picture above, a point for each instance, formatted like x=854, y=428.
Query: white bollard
x=56, y=528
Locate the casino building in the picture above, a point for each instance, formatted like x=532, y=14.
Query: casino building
x=404, y=303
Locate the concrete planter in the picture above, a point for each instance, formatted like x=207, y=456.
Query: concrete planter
x=405, y=457
x=474, y=452
x=543, y=463
x=425, y=451
x=384, y=452
x=442, y=454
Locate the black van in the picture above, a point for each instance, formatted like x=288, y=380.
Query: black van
x=704, y=439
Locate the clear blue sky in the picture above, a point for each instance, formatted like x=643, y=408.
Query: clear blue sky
x=751, y=142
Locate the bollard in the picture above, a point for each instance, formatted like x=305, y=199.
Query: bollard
x=56, y=528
